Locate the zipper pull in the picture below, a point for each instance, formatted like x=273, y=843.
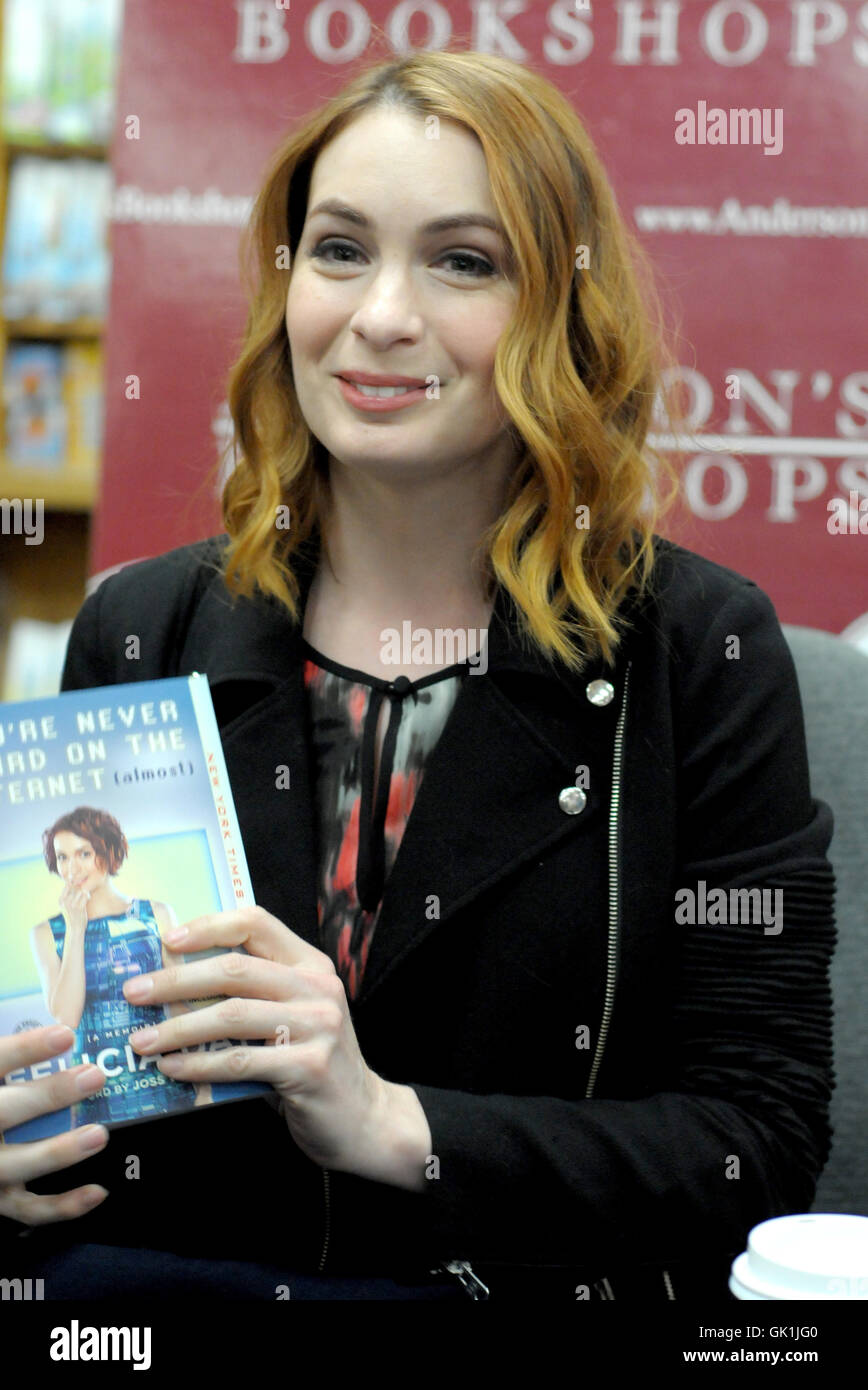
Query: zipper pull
x=473, y=1286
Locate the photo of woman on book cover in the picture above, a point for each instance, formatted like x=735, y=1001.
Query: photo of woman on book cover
x=87, y=952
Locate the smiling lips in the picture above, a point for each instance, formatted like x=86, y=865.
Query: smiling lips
x=382, y=392
x=373, y=379
x=381, y=395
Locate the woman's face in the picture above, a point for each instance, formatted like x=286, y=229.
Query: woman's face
x=77, y=861
x=394, y=299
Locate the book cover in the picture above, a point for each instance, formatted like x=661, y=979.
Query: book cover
x=116, y=798
x=59, y=64
x=84, y=397
x=26, y=66
x=36, y=414
x=28, y=232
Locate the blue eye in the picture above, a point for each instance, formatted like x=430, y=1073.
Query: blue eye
x=483, y=267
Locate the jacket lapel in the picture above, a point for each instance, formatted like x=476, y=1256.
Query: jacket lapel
x=486, y=803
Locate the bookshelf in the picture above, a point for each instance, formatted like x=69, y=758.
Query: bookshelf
x=45, y=582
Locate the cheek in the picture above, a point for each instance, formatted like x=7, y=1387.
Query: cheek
x=471, y=339
x=295, y=317
x=312, y=316
x=475, y=363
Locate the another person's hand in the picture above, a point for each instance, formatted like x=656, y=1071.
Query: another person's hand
x=341, y=1114
x=24, y=1100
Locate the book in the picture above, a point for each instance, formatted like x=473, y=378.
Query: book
x=56, y=260
x=84, y=398
x=36, y=414
x=59, y=64
x=54, y=400
x=35, y=652
x=119, y=793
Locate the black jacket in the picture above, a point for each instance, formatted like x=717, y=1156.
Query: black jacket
x=699, y=1106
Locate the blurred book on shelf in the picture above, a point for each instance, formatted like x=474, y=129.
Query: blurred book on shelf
x=84, y=395
x=35, y=408
x=53, y=395
x=59, y=69
x=56, y=256
x=35, y=654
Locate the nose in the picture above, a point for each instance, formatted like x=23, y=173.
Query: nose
x=387, y=310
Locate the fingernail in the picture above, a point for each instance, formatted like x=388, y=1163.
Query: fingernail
x=87, y=1079
x=59, y=1035
x=146, y=1038
x=175, y=935
x=138, y=989
x=91, y=1137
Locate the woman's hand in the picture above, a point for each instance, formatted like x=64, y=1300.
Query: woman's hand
x=25, y=1100
x=73, y=904
x=285, y=991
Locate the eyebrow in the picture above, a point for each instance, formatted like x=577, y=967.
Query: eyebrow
x=336, y=208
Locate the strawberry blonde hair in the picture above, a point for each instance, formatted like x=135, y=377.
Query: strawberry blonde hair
x=577, y=369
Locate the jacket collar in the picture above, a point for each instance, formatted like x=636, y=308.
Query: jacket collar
x=489, y=799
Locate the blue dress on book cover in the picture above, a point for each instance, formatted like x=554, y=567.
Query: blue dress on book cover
x=116, y=948
x=132, y=779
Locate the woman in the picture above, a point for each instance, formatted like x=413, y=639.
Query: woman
x=510, y=1066
x=85, y=954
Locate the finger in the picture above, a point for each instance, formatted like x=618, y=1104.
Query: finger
x=230, y=973
x=242, y=1019
x=23, y=1101
x=253, y=928
x=294, y=1068
x=40, y=1208
x=20, y=1050
x=24, y=1162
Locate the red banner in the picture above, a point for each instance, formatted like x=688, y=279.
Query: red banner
x=735, y=133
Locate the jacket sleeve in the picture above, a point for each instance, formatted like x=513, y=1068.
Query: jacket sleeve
x=88, y=662
x=739, y=1133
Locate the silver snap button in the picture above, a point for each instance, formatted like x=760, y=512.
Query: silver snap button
x=572, y=800
x=600, y=692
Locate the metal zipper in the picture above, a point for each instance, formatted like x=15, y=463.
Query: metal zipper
x=470, y=1282
x=325, y=1244
x=472, y=1285
x=612, y=947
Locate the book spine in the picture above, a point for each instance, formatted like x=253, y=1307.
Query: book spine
x=227, y=820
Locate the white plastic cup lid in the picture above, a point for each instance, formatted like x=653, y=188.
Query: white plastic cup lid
x=815, y=1255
